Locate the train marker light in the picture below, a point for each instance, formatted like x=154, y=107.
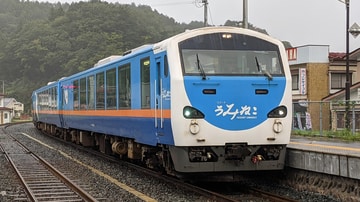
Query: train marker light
x=226, y=36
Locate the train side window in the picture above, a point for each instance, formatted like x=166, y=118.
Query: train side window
x=124, y=87
x=111, y=89
x=46, y=99
x=82, y=93
x=76, y=95
x=158, y=78
x=100, y=91
x=91, y=92
x=145, y=83
x=50, y=98
x=53, y=102
x=166, y=66
x=55, y=98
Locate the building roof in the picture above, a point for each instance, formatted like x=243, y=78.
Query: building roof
x=354, y=55
x=341, y=93
x=8, y=100
x=5, y=109
x=333, y=55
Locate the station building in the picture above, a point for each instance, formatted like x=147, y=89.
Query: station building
x=5, y=113
x=9, y=109
x=318, y=87
x=17, y=107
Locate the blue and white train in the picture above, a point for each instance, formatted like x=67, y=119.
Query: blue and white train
x=209, y=100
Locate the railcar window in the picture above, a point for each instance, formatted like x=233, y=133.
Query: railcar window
x=53, y=102
x=45, y=100
x=235, y=54
x=82, y=88
x=48, y=104
x=111, y=89
x=145, y=83
x=124, y=87
x=158, y=77
x=76, y=95
x=166, y=66
x=50, y=99
x=56, y=96
x=100, y=91
x=91, y=92
x=49, y=91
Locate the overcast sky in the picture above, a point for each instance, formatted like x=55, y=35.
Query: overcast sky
x=301, y=22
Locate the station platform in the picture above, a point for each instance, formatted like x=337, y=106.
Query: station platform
x=325, y=156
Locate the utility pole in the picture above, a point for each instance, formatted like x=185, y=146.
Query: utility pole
x=355, y=31
x=2, y=95
x=348, y=82
x=2, y=98
x=245, y=14
x=205, y=2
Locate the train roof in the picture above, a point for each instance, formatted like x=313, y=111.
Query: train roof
x=163, y=45
x=132, y=52
x=114, y=59
x=157, y=47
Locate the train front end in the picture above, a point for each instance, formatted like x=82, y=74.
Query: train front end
x=230, y=101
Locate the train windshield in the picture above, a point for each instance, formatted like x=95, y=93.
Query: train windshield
x=230, y=54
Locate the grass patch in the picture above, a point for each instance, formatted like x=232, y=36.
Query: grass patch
x=345, y=135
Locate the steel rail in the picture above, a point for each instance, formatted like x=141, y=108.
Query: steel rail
x=54, y=172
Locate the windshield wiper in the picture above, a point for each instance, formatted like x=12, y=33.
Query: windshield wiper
x=257, y=64
x=200, y=68
x=265, y=72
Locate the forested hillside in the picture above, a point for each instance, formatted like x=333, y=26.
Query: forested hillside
x=42, y=42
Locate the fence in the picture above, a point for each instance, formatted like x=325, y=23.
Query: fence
x=326, y=116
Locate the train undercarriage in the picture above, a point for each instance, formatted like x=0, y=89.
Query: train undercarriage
x=156, y=158
x=231, y=159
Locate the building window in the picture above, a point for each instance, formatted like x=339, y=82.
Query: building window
x=341, y=121
x=295, y=82
x=338, y=80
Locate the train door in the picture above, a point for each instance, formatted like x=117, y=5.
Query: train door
x=35, y=106
x=159, y=119
x=59, y=92
x=62, y=96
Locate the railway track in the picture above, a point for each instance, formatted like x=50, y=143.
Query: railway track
x=252, y=194
x=210, y=194
x=41, y=180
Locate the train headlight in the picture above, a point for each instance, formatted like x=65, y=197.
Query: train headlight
x=192, y=113
x=194, y=127
x=278, y=112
